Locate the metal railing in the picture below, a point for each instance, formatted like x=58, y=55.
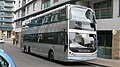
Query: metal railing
x=104, y=13
x=9, y=5
x=24, y=2
x=6, y=25
x=6, y=20
x=10, y=15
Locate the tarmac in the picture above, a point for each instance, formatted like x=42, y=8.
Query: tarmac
x=99, y=61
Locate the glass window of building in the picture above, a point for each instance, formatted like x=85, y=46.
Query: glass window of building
x=1, y=7
x=18, y=13
x=104, y=44
x=1, y=13
x=27, y=9
x=19, y=3
x=2, y=18
x=54, y=1
x=23, y=2
x=18, y=24
x=104, y=9
x=28, y=0
x=34, y=6
x=45, y=4
x=1, y=2
x=23, y=12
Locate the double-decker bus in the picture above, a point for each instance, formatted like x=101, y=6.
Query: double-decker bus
x=66, y=33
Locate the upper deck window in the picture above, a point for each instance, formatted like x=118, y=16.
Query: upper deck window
x=82, y=18
x=53, y=17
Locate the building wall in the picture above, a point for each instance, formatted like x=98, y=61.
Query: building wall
x=108, y=24
x=116, y=45
x=38, y=6
x=114, y=25
x=0, y=33
x=111, y=23
x=6, y=16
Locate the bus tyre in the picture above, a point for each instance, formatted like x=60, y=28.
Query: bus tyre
x=24, y=49
x=51, y=56
x=29, y=50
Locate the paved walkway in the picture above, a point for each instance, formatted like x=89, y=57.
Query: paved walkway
x=11, y=41
x=8, y=40
x=106, y=62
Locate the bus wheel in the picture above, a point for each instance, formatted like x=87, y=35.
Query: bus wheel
x=24, y=49
x=51, y=55
x=29, y=50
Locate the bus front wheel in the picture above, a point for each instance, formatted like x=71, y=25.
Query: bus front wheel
x=51, y=55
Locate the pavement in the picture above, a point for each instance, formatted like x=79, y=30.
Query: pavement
x=99, y=61
x=106, y=62
x=10, y=40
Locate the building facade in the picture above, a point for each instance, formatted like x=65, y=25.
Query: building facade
x=107, y=15
x=6, y=18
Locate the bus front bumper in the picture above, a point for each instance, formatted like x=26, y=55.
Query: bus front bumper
x=77, y=59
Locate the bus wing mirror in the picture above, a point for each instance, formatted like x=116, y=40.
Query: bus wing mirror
x=93, y=25
x=91, y=35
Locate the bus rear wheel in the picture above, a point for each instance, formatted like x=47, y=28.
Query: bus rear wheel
x=51, y=56
x=24, y=49
x=29, y=50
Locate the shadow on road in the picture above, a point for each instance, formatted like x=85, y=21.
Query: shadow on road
x=82, y=63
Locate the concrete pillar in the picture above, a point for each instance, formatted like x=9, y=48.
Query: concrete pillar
x=0, y=33
x=20, y=40
x=18, y=36
x=115, y=9
x=116, y=44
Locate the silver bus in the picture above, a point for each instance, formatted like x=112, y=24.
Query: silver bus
x=66, y=33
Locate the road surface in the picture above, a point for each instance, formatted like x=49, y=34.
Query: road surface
x=26, y=60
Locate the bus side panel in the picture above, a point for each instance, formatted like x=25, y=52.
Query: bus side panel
x=34, y=46
x=45, y=48
x=59, y=52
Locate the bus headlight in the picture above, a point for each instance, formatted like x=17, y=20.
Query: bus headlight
x=70, y=53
